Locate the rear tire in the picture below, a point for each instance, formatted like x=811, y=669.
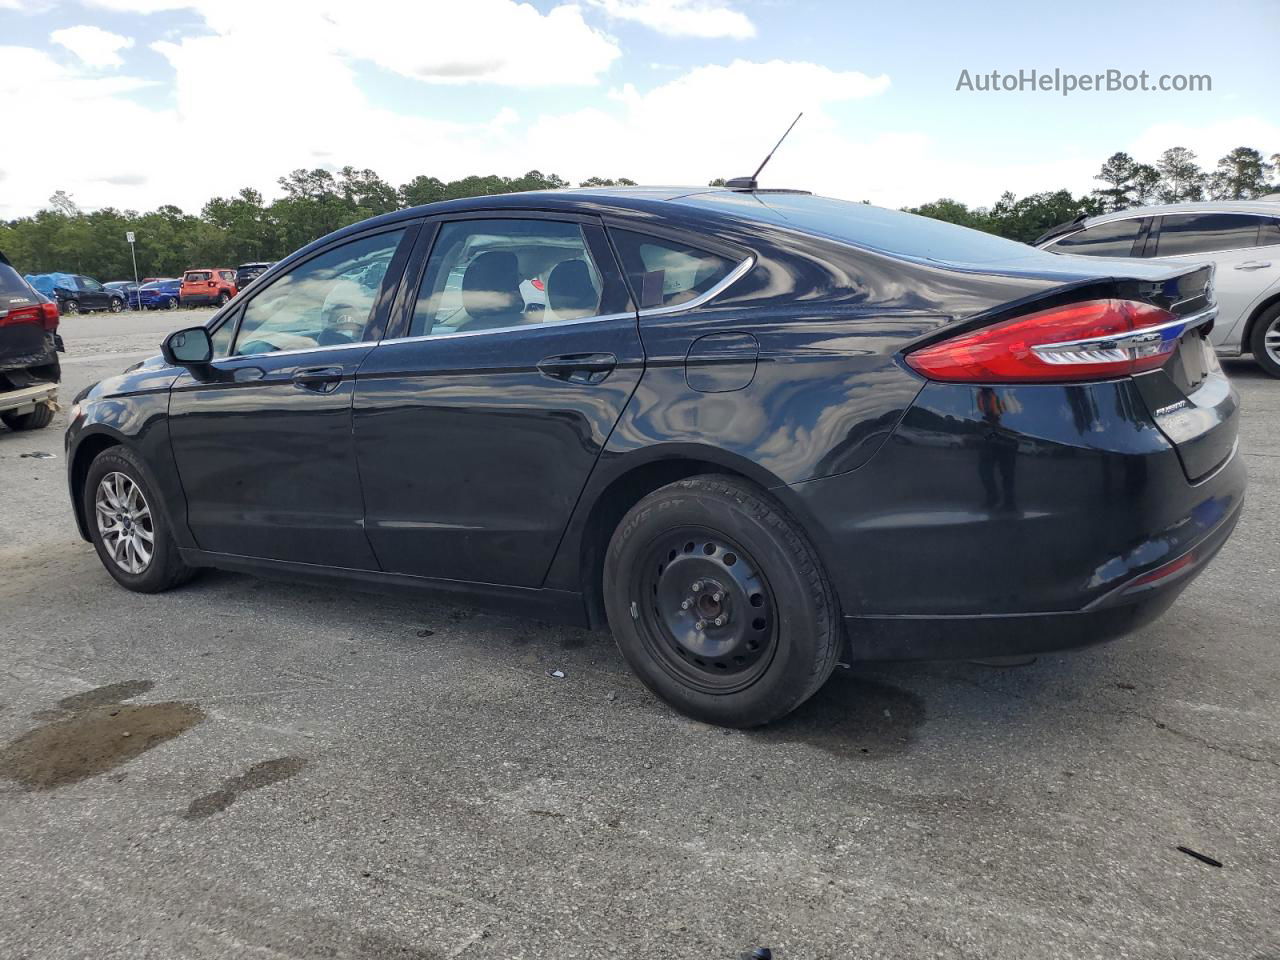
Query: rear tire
x=1265, y=341
x=128, y=528
x=717, y=551
x=223, y=298
x=171, y=305
x=116, y=305
x=41, y=416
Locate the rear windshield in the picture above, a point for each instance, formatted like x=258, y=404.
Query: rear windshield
x=863, y=225
x=12, y=285
x=196, y=275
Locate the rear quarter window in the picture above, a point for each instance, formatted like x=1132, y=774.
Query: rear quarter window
x=667, y=273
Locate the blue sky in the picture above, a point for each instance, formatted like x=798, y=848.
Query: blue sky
x=657, y=90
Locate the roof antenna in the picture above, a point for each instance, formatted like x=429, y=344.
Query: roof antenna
x=749, y=183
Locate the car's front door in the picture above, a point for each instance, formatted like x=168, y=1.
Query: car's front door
x=262, y=438
x=93, y=295
x=480, y=418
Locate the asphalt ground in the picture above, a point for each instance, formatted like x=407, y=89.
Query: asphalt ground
x=312, y=773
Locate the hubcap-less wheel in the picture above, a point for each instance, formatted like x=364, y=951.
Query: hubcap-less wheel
x=710, y=613
x=1271, y=340
x=124, y=522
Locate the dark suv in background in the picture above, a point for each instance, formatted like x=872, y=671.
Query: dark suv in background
x=250, y=271
x=75, y=293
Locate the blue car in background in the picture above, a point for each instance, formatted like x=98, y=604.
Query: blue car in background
x=127, y=289
x=160, y=294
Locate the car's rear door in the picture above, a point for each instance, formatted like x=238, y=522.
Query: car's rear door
x=262, y=438
x=1246, y=263
x=480, y=417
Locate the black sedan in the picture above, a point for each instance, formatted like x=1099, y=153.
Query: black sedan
x=754, y=432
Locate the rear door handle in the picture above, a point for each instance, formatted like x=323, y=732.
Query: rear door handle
x=1253, y=265
x=579, y=367
x=320, y=379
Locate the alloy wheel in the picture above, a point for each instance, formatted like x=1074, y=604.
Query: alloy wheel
x=708, y=612
x=124, y=522
x=71, y=306
x=1271, y=340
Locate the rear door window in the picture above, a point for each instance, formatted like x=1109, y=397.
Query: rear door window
x=667, y=273
x=1115, y=238
x=1269, y=233
x=497, y=274
x=1186, y=234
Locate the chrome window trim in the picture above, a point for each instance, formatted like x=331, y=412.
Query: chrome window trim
x=598, y=318
x=292, y=353
x=732, y=277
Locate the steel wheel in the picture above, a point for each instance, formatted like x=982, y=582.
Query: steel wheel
x=124, y=522
x=710, y=617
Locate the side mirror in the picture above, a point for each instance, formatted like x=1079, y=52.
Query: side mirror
x=184, y=348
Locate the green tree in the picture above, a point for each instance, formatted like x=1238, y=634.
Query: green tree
x=602, y=182
x=1117, y=173
x=1241, y=175
x=1146, y=183
x=1180, y=176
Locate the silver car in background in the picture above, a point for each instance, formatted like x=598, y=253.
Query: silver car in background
x=1242, y=237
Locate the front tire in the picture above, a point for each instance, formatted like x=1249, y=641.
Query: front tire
x=127, y=526
x=719, y=603
x=40, y=417
x=1265, y=341
x=71, y=307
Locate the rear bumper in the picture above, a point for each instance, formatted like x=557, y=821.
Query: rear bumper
x=997, y=521
x=25, y=400
x=979, y=636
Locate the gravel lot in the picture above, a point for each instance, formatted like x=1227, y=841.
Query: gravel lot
x=346, y=775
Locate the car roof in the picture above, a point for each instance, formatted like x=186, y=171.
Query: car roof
x=1264, y=207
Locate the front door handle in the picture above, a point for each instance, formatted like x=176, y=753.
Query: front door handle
x=1253, y=265
x=320, y=379
x=579, y=367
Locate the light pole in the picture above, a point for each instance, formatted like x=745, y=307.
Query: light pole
x=137, y=289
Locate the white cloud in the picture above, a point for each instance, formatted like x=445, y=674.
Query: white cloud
x=682, y=18
x=93, y=45
x=438, y=41
x=1209, y=142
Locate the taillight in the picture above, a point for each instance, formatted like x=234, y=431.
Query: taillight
x=1092, y=340
x=45, y=314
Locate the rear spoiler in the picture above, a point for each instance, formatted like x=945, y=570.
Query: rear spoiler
x=1068, y=227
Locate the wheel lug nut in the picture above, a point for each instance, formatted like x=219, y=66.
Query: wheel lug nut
x=684, y=604
x=697, y=585
x=717, y=597
x=700, y=625
x=719, y=621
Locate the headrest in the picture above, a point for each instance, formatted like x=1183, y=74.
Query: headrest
x=491, y=286
x=570, y=292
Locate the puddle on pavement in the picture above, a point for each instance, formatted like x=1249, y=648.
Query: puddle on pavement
x=852, y=717
x=255, y=778
x=92, y=734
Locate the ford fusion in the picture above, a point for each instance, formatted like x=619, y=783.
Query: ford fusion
x=755, y=433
